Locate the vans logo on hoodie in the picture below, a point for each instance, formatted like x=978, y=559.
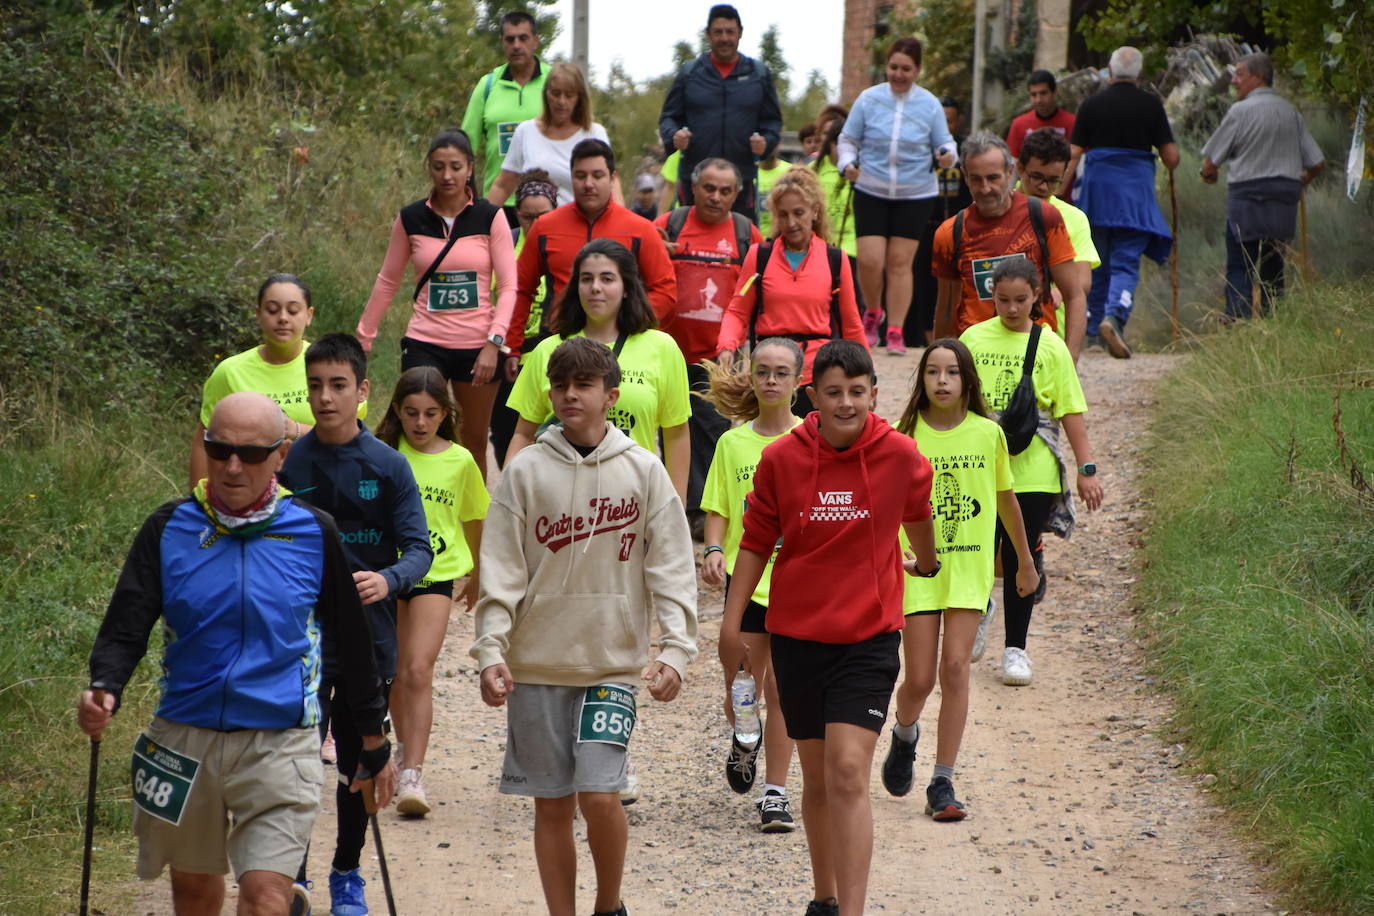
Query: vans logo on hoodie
x=605, y=514
x=836, y=506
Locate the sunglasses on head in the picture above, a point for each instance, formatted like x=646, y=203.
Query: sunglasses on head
x=248, y=454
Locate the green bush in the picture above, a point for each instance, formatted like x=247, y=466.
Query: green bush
x=1259, y=581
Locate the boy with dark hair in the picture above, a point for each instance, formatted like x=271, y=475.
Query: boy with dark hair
x=834, y=492
x=370, y=491
x=579, y=556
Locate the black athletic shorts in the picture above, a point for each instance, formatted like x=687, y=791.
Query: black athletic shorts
x=901, y=218
x=444, y=588
x=754, y=613
x=820, y=682
x=456, y=365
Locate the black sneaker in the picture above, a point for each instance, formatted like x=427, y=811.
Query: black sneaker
x=1038, y=554
x=941, y=804
x=827, y=907
x=740, y=764
x=618, y=911
x=898, y=763
x=774, y=815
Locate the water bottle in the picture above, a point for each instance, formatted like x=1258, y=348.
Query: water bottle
x=743, y=698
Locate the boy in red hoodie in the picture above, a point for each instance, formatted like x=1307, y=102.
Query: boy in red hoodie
x=833, y=493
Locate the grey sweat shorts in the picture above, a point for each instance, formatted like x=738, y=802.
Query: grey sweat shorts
x=543, y=756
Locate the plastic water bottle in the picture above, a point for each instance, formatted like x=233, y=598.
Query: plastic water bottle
x=743, y=698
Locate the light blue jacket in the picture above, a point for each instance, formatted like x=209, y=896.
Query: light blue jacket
x=895, y=139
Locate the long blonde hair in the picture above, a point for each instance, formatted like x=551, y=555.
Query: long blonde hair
x=732, y=384
x=803, y=181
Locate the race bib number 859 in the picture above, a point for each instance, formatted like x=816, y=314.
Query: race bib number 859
x=608, y=715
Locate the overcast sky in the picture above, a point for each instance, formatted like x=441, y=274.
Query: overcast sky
x=642, y=34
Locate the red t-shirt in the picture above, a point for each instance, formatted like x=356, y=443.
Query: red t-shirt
x=984, y=243
x=707, y=264
x=724, y=69
x=1061, y=121
x=838, y=577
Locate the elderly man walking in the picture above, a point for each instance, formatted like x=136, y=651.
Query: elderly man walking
x=1272, y=157
x=1118, y=128
x=244, y=578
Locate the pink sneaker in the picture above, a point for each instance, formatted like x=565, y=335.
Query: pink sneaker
x=896, y=346
x=872, y=319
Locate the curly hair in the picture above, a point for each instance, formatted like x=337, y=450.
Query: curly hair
x=802, y=181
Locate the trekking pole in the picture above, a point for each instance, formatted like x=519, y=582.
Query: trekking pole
x=370, y=804
x=1173, y=262
x=90, y=827
x=757, y=202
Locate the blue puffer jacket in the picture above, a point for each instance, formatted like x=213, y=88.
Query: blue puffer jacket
x=721, y=113
x=242, y=617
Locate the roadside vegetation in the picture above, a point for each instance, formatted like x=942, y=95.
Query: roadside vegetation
x=1258, y=582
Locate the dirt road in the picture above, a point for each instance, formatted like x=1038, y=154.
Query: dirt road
x=1077, y=804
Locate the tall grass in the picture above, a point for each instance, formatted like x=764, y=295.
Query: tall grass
x=1259, y=581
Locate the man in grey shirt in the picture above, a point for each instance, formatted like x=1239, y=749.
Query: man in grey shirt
x=1272, y=158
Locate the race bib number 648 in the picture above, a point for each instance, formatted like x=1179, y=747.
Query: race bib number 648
x=162, y=779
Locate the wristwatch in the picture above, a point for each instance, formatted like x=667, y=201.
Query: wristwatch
x=1088, y=470
x=498, y=339
x=929, y=575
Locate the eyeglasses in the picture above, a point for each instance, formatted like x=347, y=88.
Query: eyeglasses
x=248, y=454
x=764, y=375
x=1046, y=180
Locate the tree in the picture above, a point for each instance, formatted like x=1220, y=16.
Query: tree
x=770, y=52
x=803, y=109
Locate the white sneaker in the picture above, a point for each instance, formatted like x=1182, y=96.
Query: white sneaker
x=980, y=642
x=1016, y=667
x=629, y=792
x=410, y=798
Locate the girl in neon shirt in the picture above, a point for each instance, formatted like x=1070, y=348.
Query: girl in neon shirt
x=275, y=367
x=419, y=423
x=607, y=303
x=758, y=396
x=460, y=246
x=999, y=346
x=967, y=451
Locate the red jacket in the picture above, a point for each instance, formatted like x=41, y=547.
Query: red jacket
x=795, y=302
x=838, y=574
x=553, y=244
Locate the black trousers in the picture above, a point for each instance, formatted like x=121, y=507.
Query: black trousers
x=1035, y=508
x=705, y=427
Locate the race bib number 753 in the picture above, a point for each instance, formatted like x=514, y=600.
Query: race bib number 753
x=162, y=779
x=608, y=715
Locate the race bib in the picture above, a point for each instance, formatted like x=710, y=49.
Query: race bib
x=608, y=715
x=452, y=289
x=162, y=779
x=504, y=132
x=982, y=273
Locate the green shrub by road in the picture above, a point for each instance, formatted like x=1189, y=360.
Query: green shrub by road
x=1258, y=587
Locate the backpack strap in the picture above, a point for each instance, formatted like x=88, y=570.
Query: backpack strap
x=834, y=255
x=677, y=218
x=765, y=253
x=487, y=94
x=634, y=246
x=1037, y=218
x=744, y=233
x=958, y=236
x=548, y=281
x=1028, y=364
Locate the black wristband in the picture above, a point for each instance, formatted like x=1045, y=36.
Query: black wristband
x=372, y=762
x=929, y=575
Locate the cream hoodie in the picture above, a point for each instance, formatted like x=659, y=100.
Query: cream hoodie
x=575, y=553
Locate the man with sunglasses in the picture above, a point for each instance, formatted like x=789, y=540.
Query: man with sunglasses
x=243, y=577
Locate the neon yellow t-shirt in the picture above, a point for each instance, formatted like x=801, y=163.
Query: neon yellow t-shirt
x=767, y=178
x=999, y=353
x=248, y=371
x=728, y=482
x=1081, y=237
x=532, y=323
x=653, y=387
x=453, y=492
x=669, y=171
x=971, y=466
x=839, y=207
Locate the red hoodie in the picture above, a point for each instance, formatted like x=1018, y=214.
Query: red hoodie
x=838, y=574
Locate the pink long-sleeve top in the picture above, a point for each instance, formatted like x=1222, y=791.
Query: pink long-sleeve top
x=459, y=314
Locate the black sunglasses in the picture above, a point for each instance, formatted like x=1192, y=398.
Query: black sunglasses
x=248, y=454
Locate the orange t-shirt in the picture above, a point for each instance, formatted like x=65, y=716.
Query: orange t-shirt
x=985, y=243
x=707, y=266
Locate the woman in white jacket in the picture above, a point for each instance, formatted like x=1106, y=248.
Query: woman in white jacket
x=889, y=148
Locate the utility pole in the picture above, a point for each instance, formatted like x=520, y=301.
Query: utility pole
x=579, y=37
x=980, y=28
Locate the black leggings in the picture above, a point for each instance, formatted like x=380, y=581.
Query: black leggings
x=1016, y=610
